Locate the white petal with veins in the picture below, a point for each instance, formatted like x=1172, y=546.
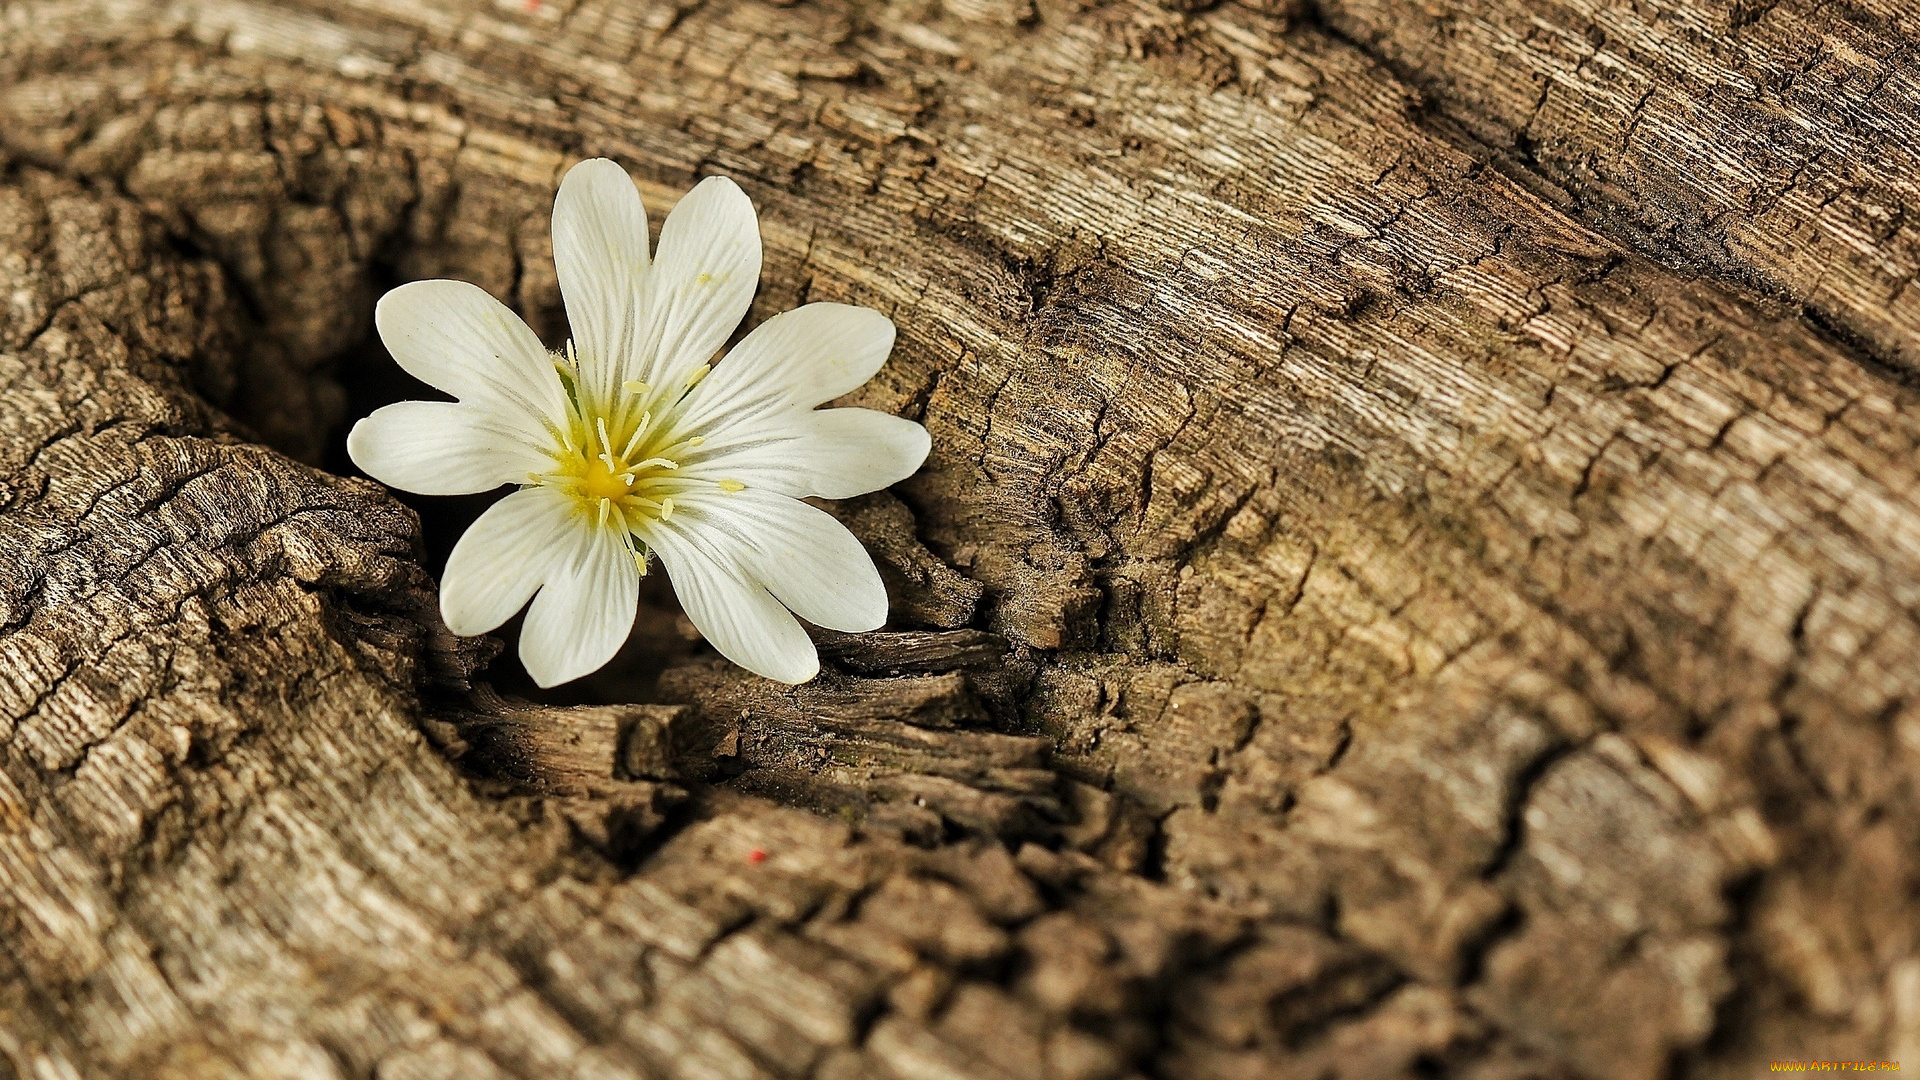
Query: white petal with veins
x=454, y=337
x=441, y=448
x=828, y=453
x=504, y=556
x=736, y=615
x=583, y=614
x=702, y=283
x=805, y=558
x=600, y=251
x=795, y=360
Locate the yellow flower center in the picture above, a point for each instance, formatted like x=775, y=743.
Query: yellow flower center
x=597, y=481
x=617, y=459
x=615, y=472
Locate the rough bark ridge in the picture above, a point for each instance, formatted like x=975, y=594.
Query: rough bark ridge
x=1417, y=572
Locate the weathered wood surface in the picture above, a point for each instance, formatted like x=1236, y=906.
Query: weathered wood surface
x=1418, y=570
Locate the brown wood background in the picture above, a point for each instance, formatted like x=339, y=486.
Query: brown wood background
x=1418, y=572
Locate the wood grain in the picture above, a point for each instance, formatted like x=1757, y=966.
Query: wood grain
x=1416, y=572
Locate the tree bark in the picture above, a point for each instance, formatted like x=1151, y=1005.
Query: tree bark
x=1417, y=570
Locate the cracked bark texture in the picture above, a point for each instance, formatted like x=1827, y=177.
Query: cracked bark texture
x=1418, y=570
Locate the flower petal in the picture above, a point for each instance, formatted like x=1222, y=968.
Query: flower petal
x=585, y=612
x=860, y=450
x=799, y=553
x=702, y=282
x=453, y=336
x=829, y=454
x=737, y=616
x=508, y=553
x=600, y=251
x=795, y=360
x=441, y=448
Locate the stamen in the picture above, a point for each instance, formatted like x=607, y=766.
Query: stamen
x=696, y=440
x=646, y=418
x=731, y=486
x=573, y=356
x=699, y=373
x=601, y=423
x=640, y=562
x=606, y=508
x=666, y=509
x=635, y=386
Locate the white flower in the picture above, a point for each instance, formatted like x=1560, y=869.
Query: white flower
x=627, y=443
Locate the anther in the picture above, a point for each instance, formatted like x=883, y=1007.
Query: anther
x=635, y=386
x=731, y=486
x=606, y=508
x=666, y=509
x=699, y=373
x=696, y=440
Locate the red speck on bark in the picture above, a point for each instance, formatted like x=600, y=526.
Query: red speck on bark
x=756, y=856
